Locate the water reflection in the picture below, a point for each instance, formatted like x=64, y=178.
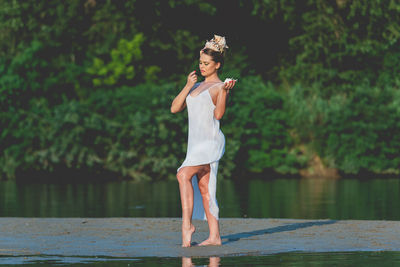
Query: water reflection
x=213, y=262
x=294, y=259
x=373, y=199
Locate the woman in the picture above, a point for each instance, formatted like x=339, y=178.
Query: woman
x=206, y=102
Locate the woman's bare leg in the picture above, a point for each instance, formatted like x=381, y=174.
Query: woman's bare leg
x=187, y=262
x=184, y=177
x=213, y=224
x=214, y=262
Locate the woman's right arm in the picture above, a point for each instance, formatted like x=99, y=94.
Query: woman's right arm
x=179, y=101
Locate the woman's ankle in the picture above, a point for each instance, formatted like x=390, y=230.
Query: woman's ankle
x=187, y=226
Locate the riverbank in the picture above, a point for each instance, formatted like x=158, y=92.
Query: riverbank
x=160, y=237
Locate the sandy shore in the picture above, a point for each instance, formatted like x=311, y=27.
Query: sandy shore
x=161, y=237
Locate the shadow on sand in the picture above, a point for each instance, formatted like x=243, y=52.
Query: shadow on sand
x=290, y=227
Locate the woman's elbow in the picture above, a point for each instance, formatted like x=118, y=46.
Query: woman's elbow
x=173, y=110
x=218, y=115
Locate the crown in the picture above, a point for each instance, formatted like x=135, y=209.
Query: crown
x=218, y=43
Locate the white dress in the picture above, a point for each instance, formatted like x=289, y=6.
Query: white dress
x=206, y=145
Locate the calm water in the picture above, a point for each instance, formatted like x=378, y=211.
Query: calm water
x=372, y=199
x=380, y=259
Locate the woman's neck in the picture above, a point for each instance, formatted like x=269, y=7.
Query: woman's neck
x=212, y=79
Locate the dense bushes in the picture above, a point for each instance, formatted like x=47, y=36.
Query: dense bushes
x=125, y=131
x=360, y=133
x=355, y=132
x=131, y=132
x=87, y=85
x=259, y=127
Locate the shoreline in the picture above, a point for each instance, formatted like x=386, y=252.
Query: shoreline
x=161, y=237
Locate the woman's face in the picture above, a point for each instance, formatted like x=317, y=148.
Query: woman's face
x=207, y=65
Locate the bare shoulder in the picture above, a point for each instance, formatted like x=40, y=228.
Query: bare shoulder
x=215, y=89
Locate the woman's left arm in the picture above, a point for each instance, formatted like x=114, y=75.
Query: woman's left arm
x=221, y=99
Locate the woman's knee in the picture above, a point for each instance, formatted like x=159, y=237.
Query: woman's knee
x=203, y=184
x=203, y=188
x=183, y=176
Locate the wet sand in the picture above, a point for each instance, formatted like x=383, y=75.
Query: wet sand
x=161, y=237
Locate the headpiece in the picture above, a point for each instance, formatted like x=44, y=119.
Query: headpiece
x=218, y=43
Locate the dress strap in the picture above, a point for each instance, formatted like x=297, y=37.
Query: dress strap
x=214, y=85
x=194, y=87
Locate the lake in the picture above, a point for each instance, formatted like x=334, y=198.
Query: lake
x=341, y=199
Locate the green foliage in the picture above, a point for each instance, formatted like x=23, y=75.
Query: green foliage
x=33, y=73
x=331, y=66
x=342, y=42
x=354, y=132
x=128, y=132
x=259, y=128
x=20, y=76
x=121, y=64
x=360, y=133
x=150, y=73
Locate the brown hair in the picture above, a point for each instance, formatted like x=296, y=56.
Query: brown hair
x=216, y=56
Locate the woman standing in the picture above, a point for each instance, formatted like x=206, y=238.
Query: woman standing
x=197, y=176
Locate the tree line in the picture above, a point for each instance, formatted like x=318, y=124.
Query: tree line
x=85, y=85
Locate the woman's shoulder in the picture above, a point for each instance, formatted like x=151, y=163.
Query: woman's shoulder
x=219, y=85
x=216, y=88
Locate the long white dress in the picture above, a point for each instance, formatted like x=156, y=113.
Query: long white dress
x=206, y=145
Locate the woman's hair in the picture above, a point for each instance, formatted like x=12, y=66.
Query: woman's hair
x=218, y=57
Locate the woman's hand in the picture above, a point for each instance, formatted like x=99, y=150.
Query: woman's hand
x=191, y=79
x=228, y=85
x=179, y=102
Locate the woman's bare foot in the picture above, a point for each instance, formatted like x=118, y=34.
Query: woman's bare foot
x=187, y=236
x=211, y=242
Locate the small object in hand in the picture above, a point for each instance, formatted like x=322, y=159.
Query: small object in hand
x=229, y=80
